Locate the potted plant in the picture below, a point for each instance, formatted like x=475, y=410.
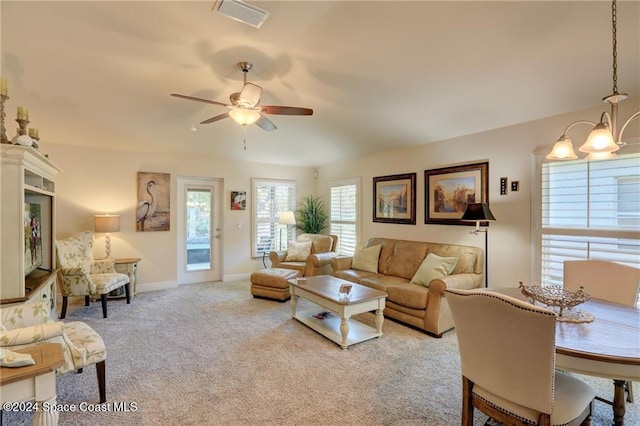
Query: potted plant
x=311, y=217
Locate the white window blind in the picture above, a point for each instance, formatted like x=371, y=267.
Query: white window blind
x=589, y=210
x=344, y=215
x=270, y=198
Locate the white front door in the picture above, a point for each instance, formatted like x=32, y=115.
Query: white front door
x=199, y=235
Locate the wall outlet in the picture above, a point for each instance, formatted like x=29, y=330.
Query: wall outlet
x=503, y=186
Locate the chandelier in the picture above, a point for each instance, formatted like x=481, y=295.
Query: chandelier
x=604, y=139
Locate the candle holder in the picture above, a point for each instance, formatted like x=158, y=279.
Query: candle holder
x=3, y=129
x=35, y=138
x=23, y=123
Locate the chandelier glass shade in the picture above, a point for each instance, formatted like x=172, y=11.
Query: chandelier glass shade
x=244, y=116
x=604, y=139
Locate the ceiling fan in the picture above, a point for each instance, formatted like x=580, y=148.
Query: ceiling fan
x=244, y=108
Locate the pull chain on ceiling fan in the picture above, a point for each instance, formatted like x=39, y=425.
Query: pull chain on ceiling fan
x=244, y=108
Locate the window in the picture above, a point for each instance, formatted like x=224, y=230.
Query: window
x=270, y=198
x=589, y=210
x=343, y=214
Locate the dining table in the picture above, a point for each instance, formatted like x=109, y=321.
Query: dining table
x=607, y=347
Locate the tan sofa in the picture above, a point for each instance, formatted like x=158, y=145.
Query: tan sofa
x=323, y=249
x=423, y=307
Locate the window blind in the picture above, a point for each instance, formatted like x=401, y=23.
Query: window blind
x=589, y=210
x=343, y=217
x=270, y=198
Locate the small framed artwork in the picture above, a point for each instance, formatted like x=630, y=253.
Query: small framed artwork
x=448, y=190
x=238, y=200
x=154, y=202
x=394, y=199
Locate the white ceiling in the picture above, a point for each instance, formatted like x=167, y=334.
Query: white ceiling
x=379, y=75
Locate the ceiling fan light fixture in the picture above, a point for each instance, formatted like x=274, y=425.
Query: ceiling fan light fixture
x=244, y=117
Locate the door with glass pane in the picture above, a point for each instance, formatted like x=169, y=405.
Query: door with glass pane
x=199, y=235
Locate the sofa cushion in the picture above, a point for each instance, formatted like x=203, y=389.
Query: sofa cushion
x=383, y=282
x=298, y=252
x=366, y=259
x=409, y=295
x=466, y=256
x=432, y=267
x=406, y=258
x=353, y=275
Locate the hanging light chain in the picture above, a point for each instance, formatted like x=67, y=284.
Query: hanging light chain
x=614, y=21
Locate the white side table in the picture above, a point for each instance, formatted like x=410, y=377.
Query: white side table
x=129, y=266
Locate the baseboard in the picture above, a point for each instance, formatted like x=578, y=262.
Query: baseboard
x=142, y=288
x=236, y=277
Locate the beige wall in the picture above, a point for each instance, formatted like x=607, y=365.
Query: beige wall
x=97, y=181
x=509, y=153
x=101, y=180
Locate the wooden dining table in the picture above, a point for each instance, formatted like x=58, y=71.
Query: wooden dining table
x=607, y=347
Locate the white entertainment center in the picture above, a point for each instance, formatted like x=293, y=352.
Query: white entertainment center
x=27, y=178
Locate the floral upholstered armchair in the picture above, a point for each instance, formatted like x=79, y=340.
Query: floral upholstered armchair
x=84, y=276
x=29, y=324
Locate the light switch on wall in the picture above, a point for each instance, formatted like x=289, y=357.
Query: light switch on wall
x=515, y=186
x=503, y=186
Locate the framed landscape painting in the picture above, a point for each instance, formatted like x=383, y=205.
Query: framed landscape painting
x=394, y=199
x=448, y=190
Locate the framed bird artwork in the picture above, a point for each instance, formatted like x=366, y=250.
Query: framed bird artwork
x=154, y=202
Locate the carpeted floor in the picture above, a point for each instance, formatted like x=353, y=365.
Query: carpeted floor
x=210, y=354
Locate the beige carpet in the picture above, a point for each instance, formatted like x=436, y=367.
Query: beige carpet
x=210, y=354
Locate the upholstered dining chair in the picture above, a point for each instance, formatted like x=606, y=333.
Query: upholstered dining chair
x=507, y=357
x=81, y=275
x=29, y=324
x=605, y=280
x=310, y=254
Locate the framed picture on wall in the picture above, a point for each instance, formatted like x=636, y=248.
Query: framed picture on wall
x=448, y=190
x=394, y=199
x=238, y=200
x=154, y=202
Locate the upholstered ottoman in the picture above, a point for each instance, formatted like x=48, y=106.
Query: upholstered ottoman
x=271, y=283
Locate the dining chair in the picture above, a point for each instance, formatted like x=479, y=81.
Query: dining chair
x=605, y=280
x=507, y=360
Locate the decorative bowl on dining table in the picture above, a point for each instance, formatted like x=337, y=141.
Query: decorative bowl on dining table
x=560, y=300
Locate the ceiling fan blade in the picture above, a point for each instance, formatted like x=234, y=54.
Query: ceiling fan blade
x=285, y=110
x=265, y=124
x=250, y=95
x=216, y=118
x=206, y=101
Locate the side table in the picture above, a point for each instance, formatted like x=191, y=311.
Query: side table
x=129, y=266
x=34, y=382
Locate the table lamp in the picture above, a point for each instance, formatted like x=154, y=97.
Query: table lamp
x=480, y=212
x=107, y=223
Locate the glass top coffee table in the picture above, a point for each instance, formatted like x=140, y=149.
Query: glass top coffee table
x=333, y=320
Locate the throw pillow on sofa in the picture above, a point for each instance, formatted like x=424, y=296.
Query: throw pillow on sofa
x=298, y=252
x=366, y=259
x=432, y=267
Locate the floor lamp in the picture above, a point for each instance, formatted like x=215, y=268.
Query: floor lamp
x=285, y=218
x=479, y=212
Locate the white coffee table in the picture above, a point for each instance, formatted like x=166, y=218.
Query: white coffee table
x=338, y=326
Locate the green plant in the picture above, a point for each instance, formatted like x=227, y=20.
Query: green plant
x=311, y=217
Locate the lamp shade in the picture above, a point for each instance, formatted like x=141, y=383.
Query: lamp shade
x=287, y=218
x=107, y=223
x=562, y=150
x=244, y=116
x=599, y=140
x=477, y=212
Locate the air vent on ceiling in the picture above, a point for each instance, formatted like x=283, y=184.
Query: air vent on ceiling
x=241, y=11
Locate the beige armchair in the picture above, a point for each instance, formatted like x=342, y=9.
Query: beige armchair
x=29, y=324
x=607, y=281
x=311, y=254
x=507, y=358
x=81, y=275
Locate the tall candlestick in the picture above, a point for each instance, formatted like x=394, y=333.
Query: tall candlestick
x=23, y=113
x=33, y=133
